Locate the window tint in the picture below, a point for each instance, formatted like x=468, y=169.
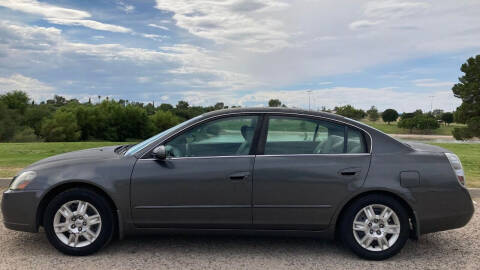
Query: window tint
x=356, y=142
x=223, y=137
x=291, y=135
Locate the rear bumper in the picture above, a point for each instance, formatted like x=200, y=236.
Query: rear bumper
x=19, y=210
x=449, y=220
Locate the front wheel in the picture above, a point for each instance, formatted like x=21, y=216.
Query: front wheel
x=375, y=227
x=78, y=222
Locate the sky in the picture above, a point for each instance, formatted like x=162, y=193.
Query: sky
x=396, y=54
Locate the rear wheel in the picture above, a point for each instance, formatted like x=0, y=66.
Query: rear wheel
x=375, y=227
x=78, y=222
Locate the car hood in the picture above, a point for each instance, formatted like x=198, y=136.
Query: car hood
x=92, y=154
x=423, y=147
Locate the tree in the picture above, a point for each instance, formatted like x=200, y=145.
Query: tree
x=62, y=127
x=373, y=114
x=447, y=118
x=437, y=113
x=274, y=103
x=16, y=100
x=389, y=115
x=163, y=120
x=219, y=106
x=165, y=107
x=182, y=105
x=420, y=122
x=350, y=112
x=8, y=124
x=468, y=89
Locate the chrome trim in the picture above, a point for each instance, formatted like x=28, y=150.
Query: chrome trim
x=292, y=206
x=309, y=155
x=190, y=206
x=256, y=112
x=207, y=157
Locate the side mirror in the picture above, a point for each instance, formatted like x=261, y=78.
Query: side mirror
x=159, y=152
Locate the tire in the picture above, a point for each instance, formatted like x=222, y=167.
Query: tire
x=83, y=232
x=388, y=239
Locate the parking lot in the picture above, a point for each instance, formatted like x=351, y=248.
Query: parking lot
x=457, y=249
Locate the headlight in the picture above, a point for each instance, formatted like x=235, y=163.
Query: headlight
x=457, y=167
x=22, y=181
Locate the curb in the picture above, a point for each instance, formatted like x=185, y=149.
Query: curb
x=4, y=182
x=474, y=192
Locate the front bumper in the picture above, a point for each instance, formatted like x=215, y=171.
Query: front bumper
x=19, y=209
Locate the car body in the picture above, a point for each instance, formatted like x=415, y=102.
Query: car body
x=268, y=170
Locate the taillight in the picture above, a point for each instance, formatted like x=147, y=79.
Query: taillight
x=457, y=167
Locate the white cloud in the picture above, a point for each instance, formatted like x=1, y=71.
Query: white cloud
x=59, y=15
x=246, y=23
x=382, y=98
x=125, y=7
x=363, y=24
x=143, y=79
x=158, y=26
x=90, y=24
x=35, y=88
x=432, y=83
x=186, y=65
x=151, y=36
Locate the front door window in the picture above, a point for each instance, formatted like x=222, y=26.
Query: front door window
x=232, y=136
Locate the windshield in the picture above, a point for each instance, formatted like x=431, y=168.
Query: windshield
x=134, y=149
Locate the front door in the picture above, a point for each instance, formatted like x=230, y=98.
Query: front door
x=308, y=167
x=206, y=181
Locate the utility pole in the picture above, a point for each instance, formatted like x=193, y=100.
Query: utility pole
x=309, y=92
x=431, y=103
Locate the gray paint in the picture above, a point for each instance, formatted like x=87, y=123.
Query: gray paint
x=292, y=194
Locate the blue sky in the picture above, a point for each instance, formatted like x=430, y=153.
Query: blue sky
x=393, y=53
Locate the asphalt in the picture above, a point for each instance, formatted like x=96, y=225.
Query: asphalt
x=455, y=249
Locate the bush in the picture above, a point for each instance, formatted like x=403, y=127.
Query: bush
x=25, y=135
x=350, y=112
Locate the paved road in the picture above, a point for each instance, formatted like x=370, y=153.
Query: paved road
x=457, y=249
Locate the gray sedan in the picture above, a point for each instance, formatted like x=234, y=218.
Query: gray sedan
x=270, y=171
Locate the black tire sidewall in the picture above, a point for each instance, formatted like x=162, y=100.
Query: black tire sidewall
x=99, y=202
x=346, y=231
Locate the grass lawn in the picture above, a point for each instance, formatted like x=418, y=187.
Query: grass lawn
x=15, y=156
x=394, y=129
x=469, y=154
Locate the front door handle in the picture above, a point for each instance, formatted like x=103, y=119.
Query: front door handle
x=350, y=171
x=239, y=176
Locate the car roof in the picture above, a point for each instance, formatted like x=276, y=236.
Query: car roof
x=276, y=110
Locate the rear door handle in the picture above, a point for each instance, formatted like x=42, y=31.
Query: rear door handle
x=350, y=171
x=239, y=176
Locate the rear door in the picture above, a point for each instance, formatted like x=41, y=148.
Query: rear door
x=304, y=169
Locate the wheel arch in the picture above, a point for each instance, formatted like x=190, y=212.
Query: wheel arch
x=414, y=231
x=50, y=194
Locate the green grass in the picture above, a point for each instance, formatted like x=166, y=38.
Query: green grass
x=394, y=129
x=15, y=156
x=469, y=154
